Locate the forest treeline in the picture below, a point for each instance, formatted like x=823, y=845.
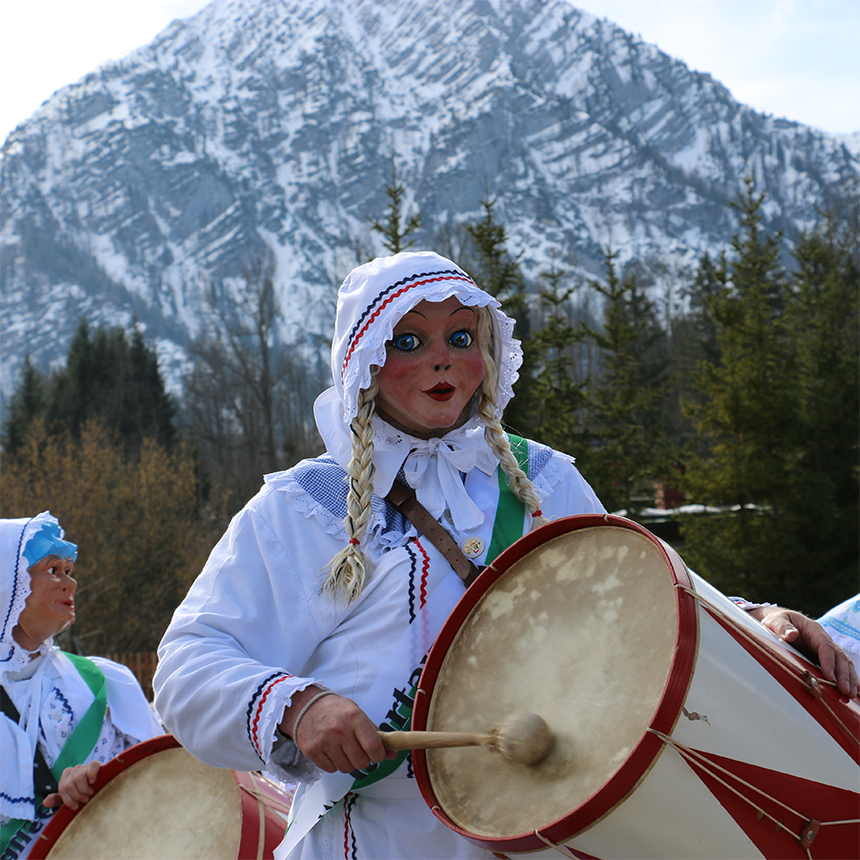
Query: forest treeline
x=743, y=395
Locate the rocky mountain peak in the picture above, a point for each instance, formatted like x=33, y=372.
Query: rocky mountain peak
x=260, y=128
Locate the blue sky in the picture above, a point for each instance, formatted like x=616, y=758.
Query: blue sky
x=798, y=59
x=791, y=58
x=46, y=44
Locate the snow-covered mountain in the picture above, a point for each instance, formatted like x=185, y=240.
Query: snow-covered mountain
x=271, y=125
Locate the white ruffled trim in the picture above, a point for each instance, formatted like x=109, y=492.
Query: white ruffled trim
x=286, y=762
x=391, y=539
x=20, y=658
x=555, y=470
x=299, y=498
x=306, y=504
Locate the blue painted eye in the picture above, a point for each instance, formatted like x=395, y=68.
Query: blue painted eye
x=405, y=342
x=461, y=339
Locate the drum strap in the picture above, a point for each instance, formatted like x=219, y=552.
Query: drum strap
x=80, y=744
x=403, y=498
x=508, y=526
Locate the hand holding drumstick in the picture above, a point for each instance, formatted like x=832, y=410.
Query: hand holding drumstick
x=339, y=736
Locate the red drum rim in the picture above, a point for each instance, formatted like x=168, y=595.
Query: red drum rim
x=61, y=819
x=259, y=801
x=638, y=763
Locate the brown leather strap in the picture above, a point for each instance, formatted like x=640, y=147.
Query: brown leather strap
x=403, y=498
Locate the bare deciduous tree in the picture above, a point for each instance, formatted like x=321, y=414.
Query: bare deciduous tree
x=248, y=400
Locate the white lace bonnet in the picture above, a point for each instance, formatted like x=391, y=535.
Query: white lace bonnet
x=14, y=573
x=370, y=303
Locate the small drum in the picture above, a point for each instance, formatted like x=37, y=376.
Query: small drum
x=682, y=727
x=157, y=801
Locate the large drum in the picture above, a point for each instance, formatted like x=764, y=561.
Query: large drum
x=683, y=729
x=157, y=801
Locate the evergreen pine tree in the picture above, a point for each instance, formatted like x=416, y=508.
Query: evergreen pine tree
x=107, y=378
x=747, y=421
x=693, y=340
x=25, y=406
x=71, y=389
x=149, y=411
x=497, y=272
x=558, y=389
x=629, y=448
x=393, y=231
x=824, y=336
x=118, y=382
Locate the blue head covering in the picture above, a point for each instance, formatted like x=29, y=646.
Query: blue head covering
x=49, y=541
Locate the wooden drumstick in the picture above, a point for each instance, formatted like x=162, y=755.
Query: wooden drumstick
x=521, y=738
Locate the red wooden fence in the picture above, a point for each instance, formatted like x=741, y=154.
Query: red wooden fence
x=142, y=664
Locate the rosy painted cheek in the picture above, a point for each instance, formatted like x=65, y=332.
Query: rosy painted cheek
x=396, y=372
x=474, y=367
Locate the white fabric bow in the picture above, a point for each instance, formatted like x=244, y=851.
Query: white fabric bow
x=433, y=470
x=432, y=466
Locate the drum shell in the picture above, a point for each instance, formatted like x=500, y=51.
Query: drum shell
x=724, y=698
x=779, y=745
x=157, y=801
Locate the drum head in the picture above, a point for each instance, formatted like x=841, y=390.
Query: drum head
x=581, y=625
x=162, y=805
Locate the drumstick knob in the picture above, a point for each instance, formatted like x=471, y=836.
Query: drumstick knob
x=521, y=738
x=524, y=738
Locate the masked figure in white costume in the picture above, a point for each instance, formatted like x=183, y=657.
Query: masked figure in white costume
x=63, y=715
x=306, y=631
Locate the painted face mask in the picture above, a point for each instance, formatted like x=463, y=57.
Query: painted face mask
x=22, y=543
x=372, y=300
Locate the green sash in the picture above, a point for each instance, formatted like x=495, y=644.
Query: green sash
x=80, y=743
x=508, y=525
x=507, y=528
x=83, y=739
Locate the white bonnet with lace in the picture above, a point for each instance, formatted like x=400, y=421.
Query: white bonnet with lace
x=370, y=303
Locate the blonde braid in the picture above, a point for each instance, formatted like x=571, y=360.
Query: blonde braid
x=349, y=567
x=497, y=439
